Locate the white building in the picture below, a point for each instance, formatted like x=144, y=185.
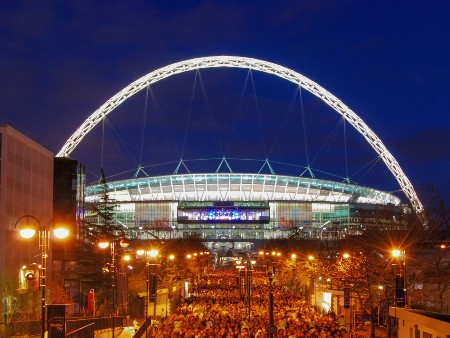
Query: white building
x=415, y=323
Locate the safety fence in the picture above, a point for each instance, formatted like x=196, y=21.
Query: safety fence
x=74, y=327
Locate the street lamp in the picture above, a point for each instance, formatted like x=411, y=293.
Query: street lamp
x=246, y=280
x=400, y=275
x=380, y=290
x=112, y=269
x=151, y=284
x=197, y=264
x=271, y=329
x=312, y=278
x=28, y=225
x=270, y=256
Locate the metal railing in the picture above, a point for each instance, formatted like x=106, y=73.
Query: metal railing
x=143, y=328
x=22, y=328
x=33, y=328
x=99, y=323
x=86, y=331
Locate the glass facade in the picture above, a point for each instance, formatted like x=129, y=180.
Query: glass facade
x=219, y=221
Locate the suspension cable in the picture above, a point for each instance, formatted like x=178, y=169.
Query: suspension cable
x=258, y=114
x=163, y=121
x=308, y=164
x=345, y=151
x=208, y=108
x=103, y=141
x=188, y=118
x=370, y=165
x=237, y=113
x=119, y=140
x=144, y=125
x=330, y=137
x=284, y=120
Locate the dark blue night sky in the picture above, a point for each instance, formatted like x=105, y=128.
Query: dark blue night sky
x=387, y=60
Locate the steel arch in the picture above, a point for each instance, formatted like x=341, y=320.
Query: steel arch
x=258, y=65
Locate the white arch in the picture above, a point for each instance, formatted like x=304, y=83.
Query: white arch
x=258, y=65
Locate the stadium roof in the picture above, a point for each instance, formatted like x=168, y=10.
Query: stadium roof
x=238, y=187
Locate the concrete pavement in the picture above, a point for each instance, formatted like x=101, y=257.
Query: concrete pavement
x=128, y=331
x=125, y=332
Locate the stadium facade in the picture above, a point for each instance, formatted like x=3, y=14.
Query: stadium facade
x=232, y=210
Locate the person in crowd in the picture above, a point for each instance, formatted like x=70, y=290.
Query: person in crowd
x=135, y=324
x=216, y=308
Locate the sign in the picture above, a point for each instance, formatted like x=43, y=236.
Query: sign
x=56, y=320
x=56, y=326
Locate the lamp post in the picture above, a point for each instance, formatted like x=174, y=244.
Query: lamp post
x=271, y=329
x=249, y=282
x=270, y=257
x=249, y=290
x=123, y=280
x=349, y=305
x=27, y=226
x=310, y=265
x=380, y=290
x=151, y=284
x=197, y=264
x=112, y=269
x=245, y=279
x=400, y=278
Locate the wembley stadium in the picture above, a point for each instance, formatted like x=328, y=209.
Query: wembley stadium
x=231, y=210
x=234, y=209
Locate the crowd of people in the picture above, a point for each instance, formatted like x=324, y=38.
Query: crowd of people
x=218, y=307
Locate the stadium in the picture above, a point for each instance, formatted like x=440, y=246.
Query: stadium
x=232, y=209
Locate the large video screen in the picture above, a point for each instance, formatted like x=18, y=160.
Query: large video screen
x=223, y=213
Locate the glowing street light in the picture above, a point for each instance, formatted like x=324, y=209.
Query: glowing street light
x=151, y=284
x=111, y=268
x=380, y=290
x=396, y=253
x=271, y=329
x=28, y=226
x=400, y=276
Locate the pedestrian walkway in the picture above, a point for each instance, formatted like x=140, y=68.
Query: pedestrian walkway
x=126, y=332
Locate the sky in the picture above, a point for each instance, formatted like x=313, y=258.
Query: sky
x=386, y=60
